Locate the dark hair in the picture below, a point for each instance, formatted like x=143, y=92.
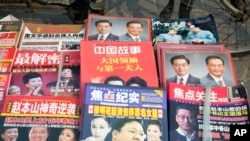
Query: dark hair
x=48, y=129
x=75, y=132
x=119, y=123
x=186, y=107
x=29, y=76
x=134, y=22
x=179, y=57
x=113, y=78
x=155, y=122
x=103, y=21
x=66, y=67
x=3, y=129
x=103, y=117
x=214, y=57
x=136, y=80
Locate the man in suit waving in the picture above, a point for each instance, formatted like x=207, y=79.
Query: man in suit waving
x=103, y=28
x=181, y=66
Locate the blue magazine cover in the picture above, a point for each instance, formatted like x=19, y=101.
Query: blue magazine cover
x=200, y=30
x=114, y=112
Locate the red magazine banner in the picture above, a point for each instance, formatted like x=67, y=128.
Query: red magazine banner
x=188, y=104
x=118, y=62
x=123, y=59
x=46, y=73
x=46, y=58
x=38, y=106
x=197, y=68
x=114, y=28
x=7, y=56
x=39, y=118
x=4, y=85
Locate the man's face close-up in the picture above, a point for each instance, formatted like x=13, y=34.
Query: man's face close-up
x=215, y=67
x=103, y=28
x=185, y=119
x=67, y=73
x=131, y=131
x=181, y=67
x=135, y=29
x=38, y=134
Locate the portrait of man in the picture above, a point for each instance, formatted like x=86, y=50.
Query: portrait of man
x=186, y=119
x=134, y=30
x=14, y=90
x=103, y=28
x=38, y=133
x=171, y=36
x=199, y=36
x=124, y=129
x=181, y=67
x=65, y=80
x=216, y=67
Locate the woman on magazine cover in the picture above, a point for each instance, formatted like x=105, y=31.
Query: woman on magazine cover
x=69, y=134
x=9, y=134
x=154, y=130
x=33, y=82
x=100, y=127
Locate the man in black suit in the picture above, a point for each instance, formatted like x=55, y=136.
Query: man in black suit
x=65, y=81
x=103, y=28
x=181, y=66
x=134, y=30
x=216, y=68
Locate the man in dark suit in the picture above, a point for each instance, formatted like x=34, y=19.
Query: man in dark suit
x=186, y=118
x=181, y=66
x=134, y=29
x=103, y=28
x=65, y=81
x=216, y=68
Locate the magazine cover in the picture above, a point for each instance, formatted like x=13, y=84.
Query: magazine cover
x=199, y=112
x=7, y=56
x=110, y=29
x=191, y=31
x=52, y=37
x=32, y=118
x=4, y=85
x=118, y=63
x=10, y=32
x=46, y=73
x=161, y=46
x=124, y=113
x=198, y=68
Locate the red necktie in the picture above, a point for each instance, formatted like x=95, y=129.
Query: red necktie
x=181, y=81
x=64, y=84
x=221, y=83
x=101, y=38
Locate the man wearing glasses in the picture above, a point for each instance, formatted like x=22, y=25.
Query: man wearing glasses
x=186, y=120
